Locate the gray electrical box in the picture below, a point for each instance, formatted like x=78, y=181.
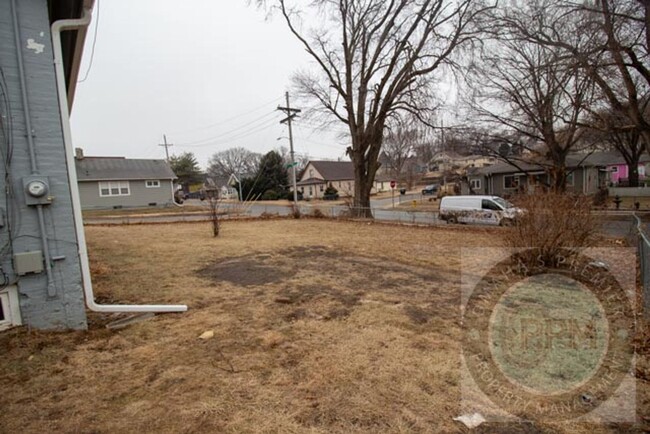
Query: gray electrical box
x=28, y=262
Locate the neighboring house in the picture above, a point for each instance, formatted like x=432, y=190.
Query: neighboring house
x=42, y=255
x=111, y=182
x=585, y=175
x=448, y=161
x=318, y=175
x=618, y=169
x=476, y=161
x=412, y=171
x=225, y=188
x=382, y=182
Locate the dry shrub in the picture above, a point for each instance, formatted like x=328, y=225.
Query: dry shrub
x=317, y=213
x=295, y=211
x=268, y=215
x=554, y=226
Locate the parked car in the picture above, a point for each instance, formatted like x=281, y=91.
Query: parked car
x=430, y=189
x=491, y=210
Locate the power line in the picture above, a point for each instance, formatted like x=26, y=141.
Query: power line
x=92, y=52
x=224, y=121
x=258, y=129
x=208, y=139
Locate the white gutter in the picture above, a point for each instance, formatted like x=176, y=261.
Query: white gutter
x=57, y=28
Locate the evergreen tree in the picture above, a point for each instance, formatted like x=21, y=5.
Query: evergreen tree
x=186, y=169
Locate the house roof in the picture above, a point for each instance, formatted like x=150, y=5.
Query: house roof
x=334, y=170
x=596, y=159
x=609, y=158
x=72, y=41
x=120, y=168
x=310, y=181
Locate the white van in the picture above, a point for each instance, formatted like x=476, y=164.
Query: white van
x=491, y=210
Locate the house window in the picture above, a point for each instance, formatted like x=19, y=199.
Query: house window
x=322, y=187
x=114, y=188
x=311, y=190
x=475, y=184
x=510, y=181
x=615, y=169
x=153, y=183
x=311, y=173
x=570, y=179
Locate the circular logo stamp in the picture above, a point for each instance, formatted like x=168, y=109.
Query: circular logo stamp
x=552, y=341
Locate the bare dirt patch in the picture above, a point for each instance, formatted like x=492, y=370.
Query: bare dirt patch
x=319, y=327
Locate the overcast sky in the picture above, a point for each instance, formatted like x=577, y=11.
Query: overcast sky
x=208, y=74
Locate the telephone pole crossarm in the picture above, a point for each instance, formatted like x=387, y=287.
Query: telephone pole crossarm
x=166, y=145
x=292, y=113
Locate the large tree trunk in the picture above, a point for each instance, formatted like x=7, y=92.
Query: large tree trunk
x=633, y=172
x=365, y=167
x=558, y=178
x=362, y=188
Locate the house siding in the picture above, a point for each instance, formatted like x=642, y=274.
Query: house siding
x=345, y=187
x=585, y=180
x=37, y=309
x=140, y=196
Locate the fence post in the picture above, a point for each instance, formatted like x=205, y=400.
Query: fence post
x=644, y=266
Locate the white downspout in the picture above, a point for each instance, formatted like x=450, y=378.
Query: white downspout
x=57, y=28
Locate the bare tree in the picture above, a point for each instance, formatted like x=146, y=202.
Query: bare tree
x=611, y=45
x=399, y=144
x=300, y=159
x=612, y=128
x=532, y=90
x=213, y=206
x=238, y=161
x=376, y=61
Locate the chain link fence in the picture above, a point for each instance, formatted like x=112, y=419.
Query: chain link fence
x=644, y=263
x=401, y=216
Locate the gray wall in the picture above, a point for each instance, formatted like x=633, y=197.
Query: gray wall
x=66, y=308
x=494, y=184
x=140, y=196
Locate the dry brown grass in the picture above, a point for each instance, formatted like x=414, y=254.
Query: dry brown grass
x=320, y=326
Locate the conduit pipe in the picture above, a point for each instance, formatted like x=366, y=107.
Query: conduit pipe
x=57, y=28
x=51, y=288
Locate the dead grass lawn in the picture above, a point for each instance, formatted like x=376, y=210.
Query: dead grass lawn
x=320, y=326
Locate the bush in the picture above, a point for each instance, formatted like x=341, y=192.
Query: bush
x=553, y=227
x=270, y=195
x=600, y=198
x=317, y=213
x=330, y=193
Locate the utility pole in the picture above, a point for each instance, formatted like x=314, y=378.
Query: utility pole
x=291, y=114
x=166, y=145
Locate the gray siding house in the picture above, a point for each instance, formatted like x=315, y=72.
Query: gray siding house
x=116, y=182
x=40, y=263
x=585, y=174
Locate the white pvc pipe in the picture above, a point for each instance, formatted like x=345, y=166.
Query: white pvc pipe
x=57, y=28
